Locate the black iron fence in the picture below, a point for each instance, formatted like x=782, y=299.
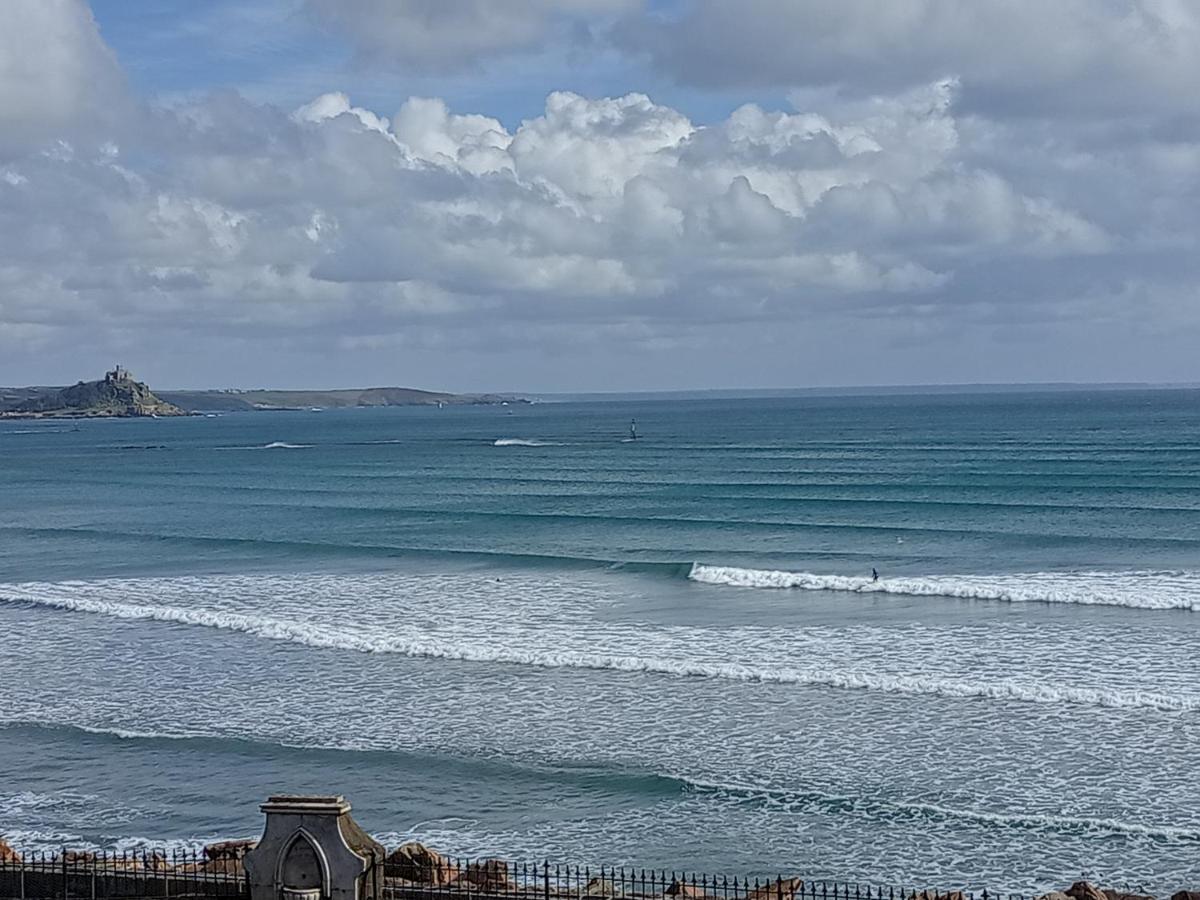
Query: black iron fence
x=218, y=872
x=85, y=875
x=494, y=879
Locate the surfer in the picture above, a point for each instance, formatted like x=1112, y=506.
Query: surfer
x=633, y=429
x=874, y=574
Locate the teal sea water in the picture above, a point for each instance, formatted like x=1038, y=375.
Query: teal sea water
x=507, y=630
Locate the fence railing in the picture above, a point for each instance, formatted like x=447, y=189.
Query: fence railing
x=86, y=875
x=218, y=872
x=453, y=879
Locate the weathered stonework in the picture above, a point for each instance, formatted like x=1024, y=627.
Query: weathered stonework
x=311, y=849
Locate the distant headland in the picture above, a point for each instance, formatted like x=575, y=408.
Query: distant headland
x=119, y=395
x=116, y=395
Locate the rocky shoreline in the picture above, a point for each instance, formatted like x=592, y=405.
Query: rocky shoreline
x=415, y=870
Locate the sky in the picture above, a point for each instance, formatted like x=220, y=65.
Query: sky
x=575, y=195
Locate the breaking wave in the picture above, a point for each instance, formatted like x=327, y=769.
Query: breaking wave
x=322, y=635
x=274, y=445
x=522, y=442
x=1136, y=590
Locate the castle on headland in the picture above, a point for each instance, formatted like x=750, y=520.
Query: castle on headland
x=116, y=394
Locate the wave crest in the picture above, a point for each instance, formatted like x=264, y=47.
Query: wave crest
x=1135, y=590
x=324, y=636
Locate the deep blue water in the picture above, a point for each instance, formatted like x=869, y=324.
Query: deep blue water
x=666, y=652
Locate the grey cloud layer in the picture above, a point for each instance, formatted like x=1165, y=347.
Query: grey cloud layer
x=1015, y=57
x=57, y=78
x=601, y=225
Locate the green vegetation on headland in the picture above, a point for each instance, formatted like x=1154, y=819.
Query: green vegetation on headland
x=232, y=401
x=115, y=395
x=118, y=395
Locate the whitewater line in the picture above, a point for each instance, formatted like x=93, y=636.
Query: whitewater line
x=322, y=636
x=1167, y=590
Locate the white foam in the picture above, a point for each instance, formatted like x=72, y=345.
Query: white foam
x=35, y=840
x=522, y=442
x=935, y=811
x=1136, y=590
x=1061, y=823
x=494, y=649
x=24, y=801
x=30, y=813
x=274, y=445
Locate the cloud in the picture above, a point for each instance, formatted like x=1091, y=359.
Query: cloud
x=597, y=210
x=57, y=77
x=1014, y=56
x=590, y=235
x=450, y=35
x=477, y=144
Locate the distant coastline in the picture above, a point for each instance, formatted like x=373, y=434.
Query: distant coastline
x=248, y=400
x=38, y=401
x=118, y=395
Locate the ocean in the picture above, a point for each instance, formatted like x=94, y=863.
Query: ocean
x=511, y=631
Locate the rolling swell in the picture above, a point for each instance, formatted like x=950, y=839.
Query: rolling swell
x=437, y=766
x=416, y=644
x=1134, y=590
x=882, y=808
x=664, y=568
x=651, y=785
